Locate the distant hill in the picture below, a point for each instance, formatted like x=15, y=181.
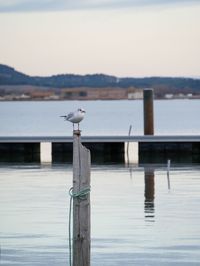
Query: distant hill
x=9, y=76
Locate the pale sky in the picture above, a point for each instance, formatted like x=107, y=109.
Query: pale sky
x=117, y=37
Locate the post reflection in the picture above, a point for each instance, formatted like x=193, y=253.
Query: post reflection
x=149, y=194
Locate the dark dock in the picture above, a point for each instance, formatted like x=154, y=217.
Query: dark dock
x=142, y=149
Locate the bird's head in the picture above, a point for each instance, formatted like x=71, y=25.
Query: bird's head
x=81, y=110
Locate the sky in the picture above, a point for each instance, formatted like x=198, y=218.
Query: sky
x=125, y=38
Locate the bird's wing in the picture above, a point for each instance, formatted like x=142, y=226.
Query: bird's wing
x=70, y=115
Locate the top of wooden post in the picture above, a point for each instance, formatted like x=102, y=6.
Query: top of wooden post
x=148, y=93
x=148, y=89
x=77, y=132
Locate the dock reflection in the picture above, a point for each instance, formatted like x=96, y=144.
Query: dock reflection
x=149, y=194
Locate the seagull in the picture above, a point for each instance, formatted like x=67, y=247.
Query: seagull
x=75, y=117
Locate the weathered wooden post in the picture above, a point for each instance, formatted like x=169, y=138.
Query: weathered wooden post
x=148, y=112
x=81, y=202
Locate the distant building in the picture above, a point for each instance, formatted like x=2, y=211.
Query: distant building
x=136, y=95
x=169, y=96
x=93, y=93
x=38, y=95
x=101, y=93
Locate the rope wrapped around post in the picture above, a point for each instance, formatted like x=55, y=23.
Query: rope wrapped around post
x=81, y=195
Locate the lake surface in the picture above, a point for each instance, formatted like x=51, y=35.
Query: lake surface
x=139, y=216
x=102, y=117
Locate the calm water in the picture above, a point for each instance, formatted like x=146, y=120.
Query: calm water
x=139, y=217
x=102, y=117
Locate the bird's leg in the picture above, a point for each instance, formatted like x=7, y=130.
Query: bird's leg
x=78, y=126
x=73, y=126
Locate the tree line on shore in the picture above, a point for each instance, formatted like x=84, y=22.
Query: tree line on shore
x=162, y=85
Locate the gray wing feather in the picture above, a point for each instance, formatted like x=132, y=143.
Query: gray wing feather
x=70, y=115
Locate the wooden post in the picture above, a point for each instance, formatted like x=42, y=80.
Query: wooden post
x=81, y=204
x=148, y=112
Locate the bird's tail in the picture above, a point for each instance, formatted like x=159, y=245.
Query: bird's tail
x=65, y=117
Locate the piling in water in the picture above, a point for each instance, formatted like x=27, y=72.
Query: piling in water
x=81, y=202
x=148, y=112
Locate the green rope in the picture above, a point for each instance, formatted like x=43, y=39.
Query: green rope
x=81, y=195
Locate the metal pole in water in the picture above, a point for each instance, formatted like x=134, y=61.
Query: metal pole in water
x=148, y=111
x=127, y=150
x=81, y=202
x=168, y=172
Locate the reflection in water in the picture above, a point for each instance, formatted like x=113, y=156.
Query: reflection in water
x=149, y=194
x=34, y=206
x=131, y=172
x=168, y=171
